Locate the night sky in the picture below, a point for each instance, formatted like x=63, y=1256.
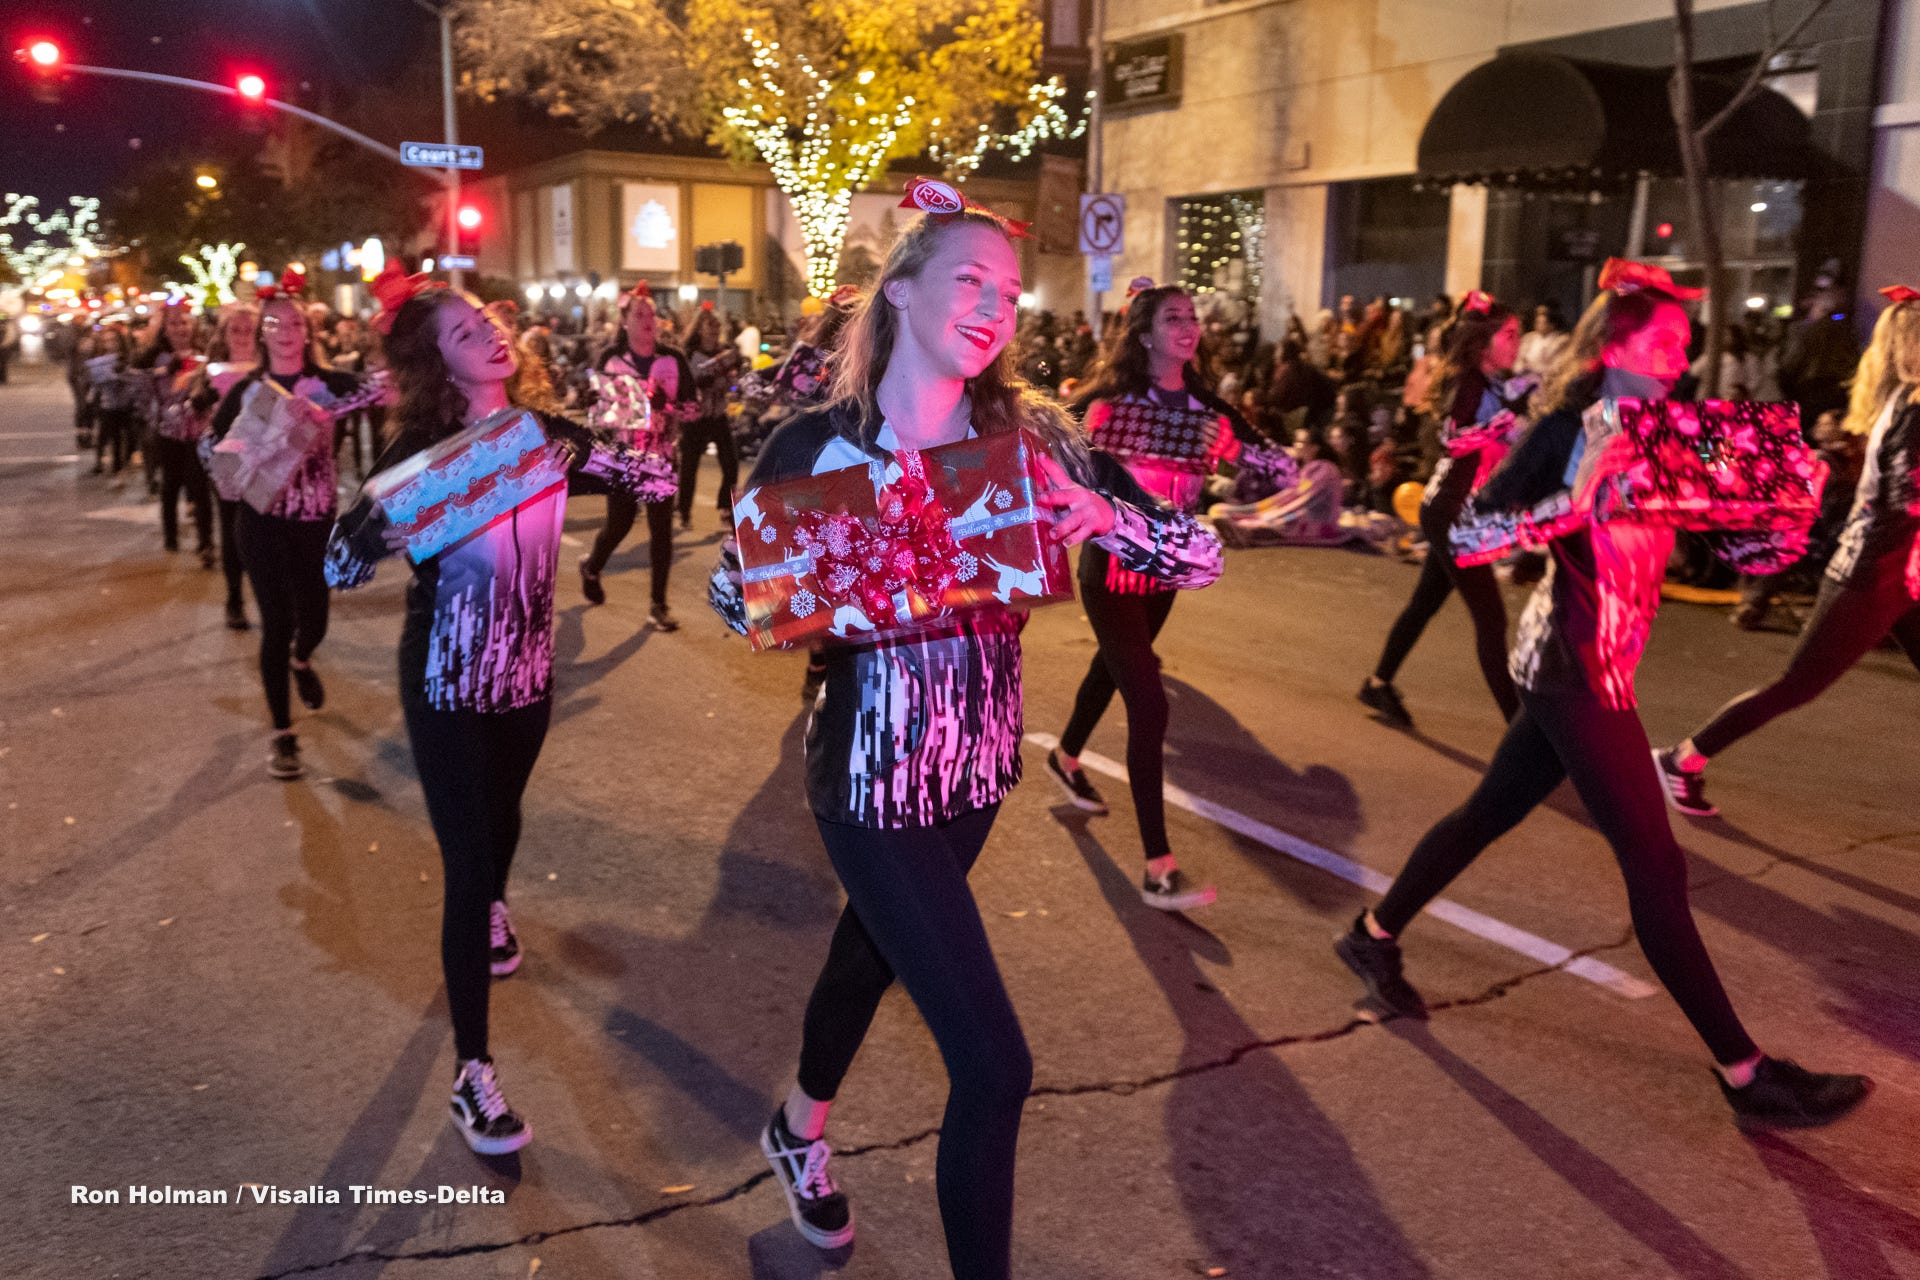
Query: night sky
x=87, y=142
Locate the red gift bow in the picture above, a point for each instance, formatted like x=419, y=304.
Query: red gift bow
x=393, y=288
x=293, y=284
x=1899, y=293
x=908, y=548
x=1477, y=303
x=942, y=200
x=1620, y=275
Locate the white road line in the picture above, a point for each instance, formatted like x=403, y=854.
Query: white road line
x=39, y=459
x=568, y=540
x=36, y=435
x=1481, y=926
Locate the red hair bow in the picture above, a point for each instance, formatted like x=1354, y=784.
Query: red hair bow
x=1478, y=303
x=942, y=200
x=1139, y=284
x=293, y=284
x=393, y=288
x=845, y=297
x=1899, y=293
x=1622, y=276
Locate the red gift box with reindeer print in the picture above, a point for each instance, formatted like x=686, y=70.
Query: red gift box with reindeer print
x=848, y=555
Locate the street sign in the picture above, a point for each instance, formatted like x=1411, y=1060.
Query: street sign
x=1100, y=272
x=1102, y=219
x=455, y=262
x=438, y=155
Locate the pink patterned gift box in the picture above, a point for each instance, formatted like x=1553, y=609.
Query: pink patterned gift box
x=448, y=492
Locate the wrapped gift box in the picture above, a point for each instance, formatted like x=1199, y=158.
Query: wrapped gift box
x=623, y=410
x=851, y=553
x=1712, y=465
x=445, y=494
x=1006, y=550
x=269, y=439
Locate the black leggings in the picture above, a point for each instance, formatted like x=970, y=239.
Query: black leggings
x=1847, y=622
x=693, y=447
x=180, y=469
x=910, y=914
x=230, y=548
x=1126, y=627
x=473, y=767
x=286, y=563
x=1605, y=752
x=116, y=434
x=621, y=510
x=1479, y=590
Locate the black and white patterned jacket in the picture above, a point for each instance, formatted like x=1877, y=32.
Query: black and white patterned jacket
x=1885, y=518
x=478, y=634
x=923, y=725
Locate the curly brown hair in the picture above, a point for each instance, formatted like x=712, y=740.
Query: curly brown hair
x=427, y=401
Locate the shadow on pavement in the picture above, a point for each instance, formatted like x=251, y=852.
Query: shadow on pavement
x=1860, y=1237
x=1268, y=1182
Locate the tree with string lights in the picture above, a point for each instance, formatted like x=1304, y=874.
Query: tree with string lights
x=826, y=93
x=32, y=242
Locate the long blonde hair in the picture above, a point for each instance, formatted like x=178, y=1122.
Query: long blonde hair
x=1892, y=359
x=1000, y=399
x=1612, y=317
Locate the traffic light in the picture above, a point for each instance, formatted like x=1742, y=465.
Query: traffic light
x=251, y=87
x=44, y=54
x=470, y=221
x=43, y=59
x=720, y=259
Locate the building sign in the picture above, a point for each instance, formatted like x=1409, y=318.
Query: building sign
x=562, y=213
x=650, y=227
x=440, y=155
x=1143, y=73
x=1103, y=222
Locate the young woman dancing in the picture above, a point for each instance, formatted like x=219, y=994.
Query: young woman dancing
x=1150, y=407
x=1872, y=584
x=1579, y=641
x=284, y=549
x=174, y=360
x=714, y=361
x=476, y=649
x=903, y=818
x=233, y=353
x=638, y=353
x=1469, y=392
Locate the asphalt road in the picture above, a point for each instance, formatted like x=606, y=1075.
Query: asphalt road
x=211, y=979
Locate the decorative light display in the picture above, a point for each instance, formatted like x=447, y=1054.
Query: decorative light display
x=214, y=271
x=49, y=241
x=1215, y=231
x=819, y=156
x=959, y=158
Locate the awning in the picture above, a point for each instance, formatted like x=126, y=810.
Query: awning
x=1541, y=121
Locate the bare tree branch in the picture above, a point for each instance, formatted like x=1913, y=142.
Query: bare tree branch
x=1758, y=72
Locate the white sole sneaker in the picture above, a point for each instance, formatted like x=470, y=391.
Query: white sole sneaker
x=1098, y=808
x=814, y=1236
x=1204, y=896
x=492, y=1146
x=501, y=968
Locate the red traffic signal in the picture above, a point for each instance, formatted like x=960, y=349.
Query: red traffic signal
x=44, y=54
x=251, y=87
x=468, y=217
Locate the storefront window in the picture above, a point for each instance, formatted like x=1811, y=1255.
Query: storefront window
x=1386, y=237
x=1759, y=225
x=1218, y=242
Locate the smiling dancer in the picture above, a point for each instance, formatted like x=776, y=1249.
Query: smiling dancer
x=476, y=649
x=923, y=363
x=667, y=380
x=1580, y=640
x=1872, y=585
x=1470, y=391
x=284, y=549
x=1150, y=407
x=174, y=359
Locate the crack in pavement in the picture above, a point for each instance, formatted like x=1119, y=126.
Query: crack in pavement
x=1812, y=862
x=1116, y=1088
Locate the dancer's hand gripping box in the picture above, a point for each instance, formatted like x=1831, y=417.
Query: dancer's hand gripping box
x=846, y=555
x=448, y=492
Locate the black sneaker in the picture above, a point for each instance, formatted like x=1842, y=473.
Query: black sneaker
x=313, y=694
x=1377, y=963
x=819, y=1208
x=1385, y=699
x=1786, y=1095
x=236, y=616
x=1175, y=891
x=590, y=584
x=481, y=1114
x=284, y=763
x=1686, y=791
x=1074, y=783
x=503, y=953
x=810, y=687
x=661, y=618
x=207, y=558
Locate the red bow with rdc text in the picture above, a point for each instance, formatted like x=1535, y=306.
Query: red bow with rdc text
x=942, y=200
x=393, y=288
x=1620, y=275
x=293, y=284
x=1899, y=293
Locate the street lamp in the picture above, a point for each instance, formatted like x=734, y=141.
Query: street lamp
x=206, y=181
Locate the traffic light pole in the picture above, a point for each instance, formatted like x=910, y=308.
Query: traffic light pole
x=455, y=276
